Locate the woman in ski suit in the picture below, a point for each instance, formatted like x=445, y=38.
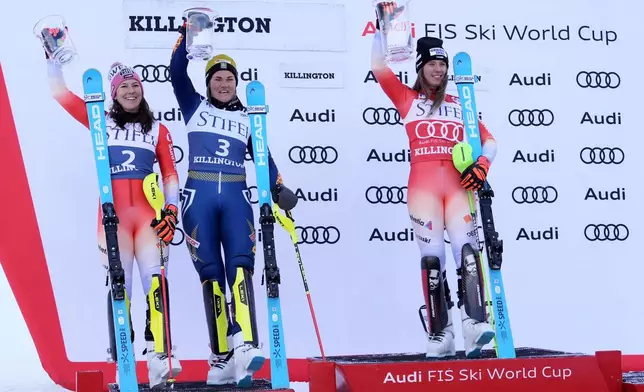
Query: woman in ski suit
x=437, y=193
x=216, y=211
x=135, y=140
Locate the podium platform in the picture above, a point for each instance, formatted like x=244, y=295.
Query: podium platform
x=258, y=386
x=534, y=370
x=92, y=381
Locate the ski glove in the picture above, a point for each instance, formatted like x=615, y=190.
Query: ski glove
x=284, y=197
x=473, y=177
x=167, y=225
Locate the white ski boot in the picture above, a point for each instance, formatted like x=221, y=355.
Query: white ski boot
x=159, y=366
x=476, y=334
x=441, y=344
x=248, y=359
x=222, y=369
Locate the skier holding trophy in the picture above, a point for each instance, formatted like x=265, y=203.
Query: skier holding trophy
x=135, y=141
x=216, y=210
x=437, y=192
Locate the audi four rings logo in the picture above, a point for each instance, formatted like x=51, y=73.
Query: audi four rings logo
x=318, y=234
x=534, y=194
x=381, y=116
x=531, y=117
x=386, y=195
x=309, y=154
x=592, y=79
x=608, y=232
x=153, y=73
x=599, y=155
x=440, y=130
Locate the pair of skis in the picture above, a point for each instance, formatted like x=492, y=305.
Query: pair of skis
x=465, y=153
x=95, y=104
x=257, y=110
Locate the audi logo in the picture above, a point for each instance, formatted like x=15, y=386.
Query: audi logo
x=593, y=79
x=531, y=117
x=606, y=232
x=381, y=116
x=153, y=73
x=534, y=194
x=599, y=155
x=178, y=154
x=309, y=154
x=439, y=130
x=317, y=234
x=386, y=195
x=176, y=242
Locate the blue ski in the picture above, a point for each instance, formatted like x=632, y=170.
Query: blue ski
x=95, y=102
x=464, y=79
x=257, y=109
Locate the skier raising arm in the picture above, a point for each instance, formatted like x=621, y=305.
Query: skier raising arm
x=437, y=197
x=190, y=101
x=216, y=211
x=135, y=139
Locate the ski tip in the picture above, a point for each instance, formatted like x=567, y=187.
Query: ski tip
x=92, y=72
x=254, y=87
x=462, y=58
x=462, y=63
x=255, y=95
x=92, y=75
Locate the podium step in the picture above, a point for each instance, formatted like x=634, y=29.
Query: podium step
x=258, y=386
x=521, y=352
x=534, y=370
x=92, y=381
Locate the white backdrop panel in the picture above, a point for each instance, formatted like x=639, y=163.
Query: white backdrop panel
x=563, y=293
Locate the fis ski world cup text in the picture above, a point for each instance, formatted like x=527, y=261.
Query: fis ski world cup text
x=584, y=33
x=476, y=375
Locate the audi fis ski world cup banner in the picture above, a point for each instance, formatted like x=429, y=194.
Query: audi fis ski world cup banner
x=553, y=89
